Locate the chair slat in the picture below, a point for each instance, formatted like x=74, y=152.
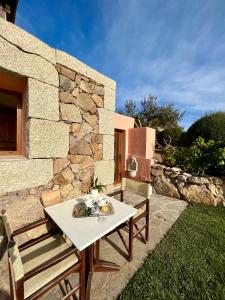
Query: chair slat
x=142, y=189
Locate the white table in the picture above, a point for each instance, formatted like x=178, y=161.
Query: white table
x=85, y=232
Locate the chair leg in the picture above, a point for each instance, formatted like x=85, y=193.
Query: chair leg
x=147, y=222
x=10, y=283
x=131, y=239
x=82, y=290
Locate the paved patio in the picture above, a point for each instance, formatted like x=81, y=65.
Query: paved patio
x=164, y=212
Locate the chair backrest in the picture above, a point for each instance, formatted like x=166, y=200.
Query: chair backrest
x=15, y=262
x=15, y=265
x=139, y=188
x=7, y=228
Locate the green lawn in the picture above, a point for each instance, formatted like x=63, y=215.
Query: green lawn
x=189, y=263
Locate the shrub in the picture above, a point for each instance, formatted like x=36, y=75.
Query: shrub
x=200, y=158
x=210, y=127
x=170, y=135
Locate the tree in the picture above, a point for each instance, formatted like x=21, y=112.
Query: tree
x=164, y=118
x=209, y=127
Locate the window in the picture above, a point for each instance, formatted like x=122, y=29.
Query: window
x=11, y=123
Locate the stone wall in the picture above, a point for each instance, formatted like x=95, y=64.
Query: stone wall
x=69, y=130
x=173, y=182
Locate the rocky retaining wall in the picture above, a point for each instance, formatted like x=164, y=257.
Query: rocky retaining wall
x=174, y=182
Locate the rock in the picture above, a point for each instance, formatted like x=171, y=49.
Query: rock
x=156, y=171
x=60, y=164
x=60, y=180
x=98, y=155
x=73, y=140
x=23, y=63
x=213, y=189
x=46, y=139
x=223, y=188
x=75, y=168
x=66, y=84
x=67, y=72
x=99, y=90
x=98, y=100
x=176, y=170
x=198, y=180
x=85, y=129
x=55, y=187
x=86, y=103
x=168, y=172
x=182, y=177
x=75, y=93
x=50, y=197
x=104, y=170
x=198, y=194
x=163, y=187
x=43, y=100
x=97, y=138
x=84, y=86
x=86, y=185
x=85, y=174
x=75, y=127
x=216, y=180
x=78, y=79
x=87, y=138
x=81, y=147
x=64, y=190
x=68, y=174
x=85, y=78
x=77, y=185
x=180, y=185
x=186, y=174
x=94, y=147
x=91, y=119
x=66, y=97
x=174, y=174
x=96, y=129
x=70, y=113
x=74, y=193
x=83, y=161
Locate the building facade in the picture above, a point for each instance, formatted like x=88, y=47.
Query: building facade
x=56, y=128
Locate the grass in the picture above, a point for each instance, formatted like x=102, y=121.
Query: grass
x=189, y=263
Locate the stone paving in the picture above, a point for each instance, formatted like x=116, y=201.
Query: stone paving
x=164, y=212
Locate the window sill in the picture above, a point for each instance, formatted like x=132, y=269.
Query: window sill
x=12, y=157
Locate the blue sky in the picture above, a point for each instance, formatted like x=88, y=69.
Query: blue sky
x=174, y=49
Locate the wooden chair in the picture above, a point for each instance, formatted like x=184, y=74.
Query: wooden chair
x=39, y=264
x=134, y=229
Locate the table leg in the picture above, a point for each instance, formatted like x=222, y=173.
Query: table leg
x=94, y=264
x=89, y=270
x=101, y=265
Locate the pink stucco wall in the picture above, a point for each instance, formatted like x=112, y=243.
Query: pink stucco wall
x=124, y=123
x=142, y=146
x=138, y=142
x=141, y=142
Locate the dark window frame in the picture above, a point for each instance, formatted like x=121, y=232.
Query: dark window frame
x=19, y=152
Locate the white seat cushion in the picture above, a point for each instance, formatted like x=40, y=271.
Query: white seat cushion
x=40, y=253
